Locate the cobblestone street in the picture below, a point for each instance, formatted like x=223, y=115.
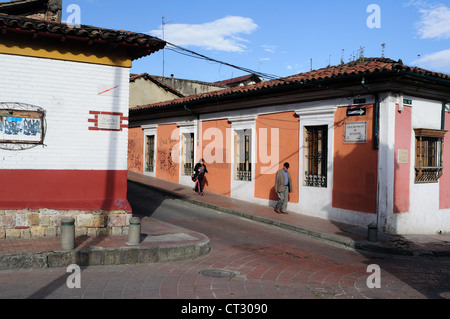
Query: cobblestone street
x=247, y=261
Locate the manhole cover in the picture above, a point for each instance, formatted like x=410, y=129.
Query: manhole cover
x=217, y=273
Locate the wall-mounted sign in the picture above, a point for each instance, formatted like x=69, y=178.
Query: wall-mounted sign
x=109, y=122
x=402, y=156
x=360, y=111
x=356, y=132
x=407, y=102
x=21, y=124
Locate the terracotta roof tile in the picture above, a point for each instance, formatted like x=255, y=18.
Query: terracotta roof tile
x=360, y=67
x=139, y=44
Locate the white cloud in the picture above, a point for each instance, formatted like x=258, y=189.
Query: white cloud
x=269, y=48
x=222, y=34
x=293, y=67
x=438, y=60
x=434, y=21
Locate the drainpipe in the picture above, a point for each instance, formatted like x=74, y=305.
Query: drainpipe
x=376, y=121
x=363, y=84
x=373, y=227
x=376, y=113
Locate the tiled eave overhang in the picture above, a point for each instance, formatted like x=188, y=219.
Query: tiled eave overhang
x=137, y=44
x=281, y=92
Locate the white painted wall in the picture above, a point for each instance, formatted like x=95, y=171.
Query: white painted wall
x=424, y=215
x=67, y=91
x=386, y=161
x=244, y=190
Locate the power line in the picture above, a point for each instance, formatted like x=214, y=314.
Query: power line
x=190, y=53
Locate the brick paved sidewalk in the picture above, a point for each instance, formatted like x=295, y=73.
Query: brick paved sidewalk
x=159, y=242
x=330, y=231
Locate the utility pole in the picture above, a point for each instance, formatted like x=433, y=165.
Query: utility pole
x=162, y=29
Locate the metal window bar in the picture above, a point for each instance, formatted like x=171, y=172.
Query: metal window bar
x=429, y=168
x=189, y=164
x=244, y=167
x=150, y=154
x=316, y=156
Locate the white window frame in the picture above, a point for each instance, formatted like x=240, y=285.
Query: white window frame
x=150, y=130
x=243, y=189
x=188, y=127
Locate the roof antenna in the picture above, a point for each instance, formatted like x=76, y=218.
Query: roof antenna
x=382, y=50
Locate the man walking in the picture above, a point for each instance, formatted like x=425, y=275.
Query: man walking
x=283, y=186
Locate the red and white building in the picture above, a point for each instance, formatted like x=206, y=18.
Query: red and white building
x=64, y=95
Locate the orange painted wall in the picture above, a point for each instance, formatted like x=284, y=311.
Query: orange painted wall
x=444, y=181
x=354, y=166
x=289, y=125
x=136, y=149
x=214, y=152
x=403, y=131
x=167, y=168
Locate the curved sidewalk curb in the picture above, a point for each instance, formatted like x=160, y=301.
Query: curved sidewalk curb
x=329, y=238
x=95, y=256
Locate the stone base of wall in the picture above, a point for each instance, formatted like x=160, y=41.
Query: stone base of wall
x=16, y=224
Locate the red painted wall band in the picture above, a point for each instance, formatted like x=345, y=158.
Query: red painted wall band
x=64, y=190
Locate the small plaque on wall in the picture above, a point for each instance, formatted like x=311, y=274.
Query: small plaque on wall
x=356, y=132
x=403, y=156
x=109, y=122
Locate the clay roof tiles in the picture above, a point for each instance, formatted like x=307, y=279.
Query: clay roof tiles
x=139, y=44
x=355, y=68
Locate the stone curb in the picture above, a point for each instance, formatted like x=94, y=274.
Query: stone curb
x=322, y=236
x=106, y=256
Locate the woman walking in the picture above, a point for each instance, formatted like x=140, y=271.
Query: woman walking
x=199, y=172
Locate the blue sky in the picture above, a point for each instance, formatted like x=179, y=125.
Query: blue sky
x=277, y=37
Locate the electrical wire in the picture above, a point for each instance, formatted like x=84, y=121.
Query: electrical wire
x=190, y=53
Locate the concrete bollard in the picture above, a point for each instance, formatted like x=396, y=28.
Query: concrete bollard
x=134, y=231
x=67, y=233
x=372, y=233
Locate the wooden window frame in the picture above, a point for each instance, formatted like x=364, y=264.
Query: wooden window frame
x=429, y=148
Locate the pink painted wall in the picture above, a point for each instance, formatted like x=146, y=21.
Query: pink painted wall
x=444, y=181
x=402, y=171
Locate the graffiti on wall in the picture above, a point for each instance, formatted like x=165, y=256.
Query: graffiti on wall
x=135, y=158
x=165, y=160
